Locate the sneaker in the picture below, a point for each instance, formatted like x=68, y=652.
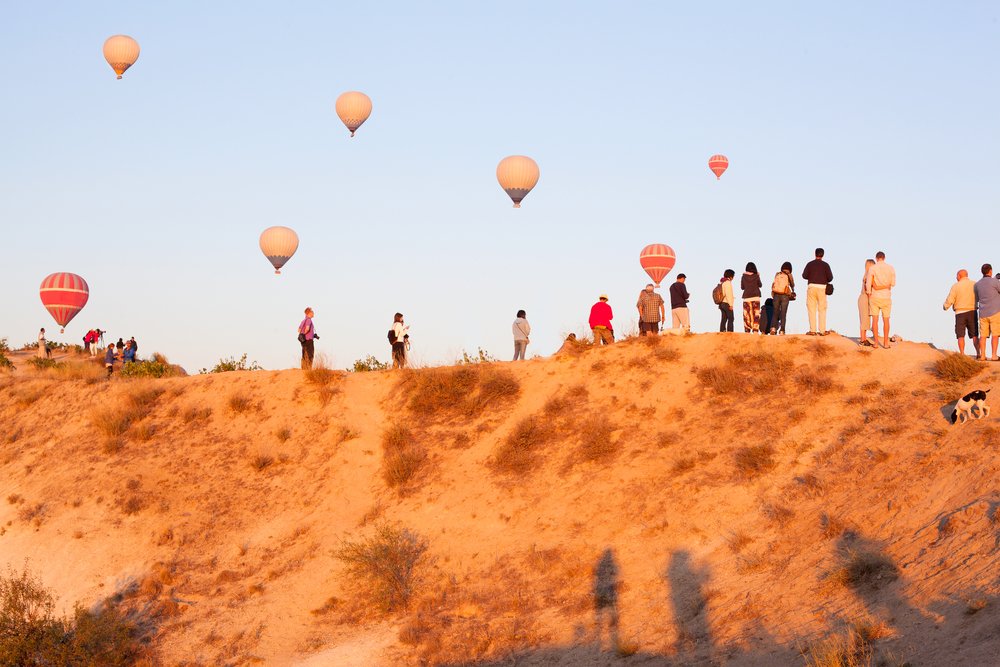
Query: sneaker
x=812, y=333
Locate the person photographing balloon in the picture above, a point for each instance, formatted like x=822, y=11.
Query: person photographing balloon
x=307, y=334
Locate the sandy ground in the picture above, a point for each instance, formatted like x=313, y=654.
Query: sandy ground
x=711, y=565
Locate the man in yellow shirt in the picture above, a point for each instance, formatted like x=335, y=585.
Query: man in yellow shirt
x=962, y=298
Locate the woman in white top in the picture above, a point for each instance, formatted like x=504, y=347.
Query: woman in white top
x=863, y=311
x=43, y=345
x=399, y=341
x=521, y=330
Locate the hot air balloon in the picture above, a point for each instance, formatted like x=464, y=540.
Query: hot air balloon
x=121, y=52
x=278, y=244
x=517, y=175
x=657, y=259
x=354, y=108
x=718, y=164
x=64, y=295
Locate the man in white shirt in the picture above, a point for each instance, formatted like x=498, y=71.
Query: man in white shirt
x=878, y=286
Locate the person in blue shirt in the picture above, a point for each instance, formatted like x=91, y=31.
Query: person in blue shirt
x=109, y=359
x=128, y=356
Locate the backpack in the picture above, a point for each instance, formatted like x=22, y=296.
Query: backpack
x=392, y=337
x=780, y=284
x=717, y=294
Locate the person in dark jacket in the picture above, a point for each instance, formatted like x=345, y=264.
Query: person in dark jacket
x=766, y=316
x=679, y=314
x=750, y=284
x=109, y=359
x=818, y=275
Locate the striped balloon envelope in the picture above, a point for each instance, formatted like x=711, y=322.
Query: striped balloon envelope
x=657, y=259
x=121, y=52
x=278, y=244
x=517, y=175
x=64, y=295
x=718, y=164
x=354, y=108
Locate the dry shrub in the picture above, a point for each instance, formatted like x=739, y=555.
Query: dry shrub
x=754, y=461
x=956, y=367
x=241, y=403
x=666, y=354
x=386, y=566
x=259, y=462
x=815, y=381
x=196, y=414
x=456, y=391
x=848, y=650
x=144, y=432
x=517, y=452
x=738, y=540
x=683, y=465
x=320, y=374
x=113, y=422
x=864, y=569
x=283, y=434
x=15, y=498
x=831, y=527
x=746, y=373
x=779, y=514
x=596, y=444
x=140, y=399
x=871, y=386
x=402, y=456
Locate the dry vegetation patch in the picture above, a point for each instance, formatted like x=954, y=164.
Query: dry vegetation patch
x=864, y=569
x=746, y=373
x=386, y=566
x=456, y=391
x=596, y=442
x=754, y=461
x=402, y=456
x=956, y=367
x=518, y=451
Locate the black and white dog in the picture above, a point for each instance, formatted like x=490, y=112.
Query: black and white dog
x=963, y=409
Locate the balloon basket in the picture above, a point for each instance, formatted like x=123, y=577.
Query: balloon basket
x=62, y=331
x=517, y=205
x=277, y=272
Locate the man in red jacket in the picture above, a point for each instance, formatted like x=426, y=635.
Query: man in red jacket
x=600, y=322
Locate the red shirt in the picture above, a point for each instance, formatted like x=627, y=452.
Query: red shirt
x=601, y=315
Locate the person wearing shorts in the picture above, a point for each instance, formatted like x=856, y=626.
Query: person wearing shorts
x=988, y=303
x=879, y=282
x=652, y=312
x=962, y=298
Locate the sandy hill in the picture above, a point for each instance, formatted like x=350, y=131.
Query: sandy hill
x=729, y=500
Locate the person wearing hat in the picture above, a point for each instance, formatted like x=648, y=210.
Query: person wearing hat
x=600, y=321
x=652, y=312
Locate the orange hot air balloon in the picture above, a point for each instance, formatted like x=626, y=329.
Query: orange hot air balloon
x=64, y=295
x=657, y=259
x=354, y=108
x=517, y=175
x=718, y=164
x=121, y=52
x=278, y=244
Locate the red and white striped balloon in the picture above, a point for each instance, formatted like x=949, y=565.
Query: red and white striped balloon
x=657, y=259
x=64, y=295
x=718, y=164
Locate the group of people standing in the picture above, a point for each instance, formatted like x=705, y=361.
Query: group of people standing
x=399, y=340
x=977, y=312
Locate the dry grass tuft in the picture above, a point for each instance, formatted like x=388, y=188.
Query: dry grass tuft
x=863, y=569
x=458, y=391
x=746, y=373
x=259, y=462
x=114, y=422
x=517, y=453
x=683, y=465
x=196, y=414
x=738, y=540
x=957, y=367
x=596, y=444
x=815, y=380
x=754, y=461
x=283, y=434
x=402, y=456
x=241, y=403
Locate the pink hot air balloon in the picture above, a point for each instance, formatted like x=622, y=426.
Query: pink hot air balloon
x=718, y=164
x=64, y=295
x=657, y=260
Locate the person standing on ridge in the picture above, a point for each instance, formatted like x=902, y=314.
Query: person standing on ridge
x=521, y=330
x=988, y=302
x=109, y=360
x=398, y=338
x=680, y=316
x=600, y=322
x=750, y=284
x=818, y=276
x=652, y=312
x=864, y=309
x=782, y=291
x=962, y=298
x=878, y=284
x=728, y=299
x=307, y=334
x=43, y=345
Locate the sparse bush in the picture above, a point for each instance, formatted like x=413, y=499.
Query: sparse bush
x=320, y=375
x=957, y=367
x=240, y=403
x=368, y=364
x=683, y=465
x=261, y=461
x=517, y=453
x=754, y=461
x=481, y=357
x=815, y=381
x=148, y=368
x=402, y=456
x=461, y=390
x=666, y=354
x=194, y=414
x=5, y=363
x=283, y=434
x=43, y=364
x=229, y=364
x=113, y=422
x=386, y=565
x=596, y=443
x=31, y=635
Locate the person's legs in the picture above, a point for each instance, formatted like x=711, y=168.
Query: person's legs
x=755, y=320
x=821, y=301
x=885, y=329
x=519, y=347
x=812, y=304
x=722, y=321
x=682, y=318
x=747, y=317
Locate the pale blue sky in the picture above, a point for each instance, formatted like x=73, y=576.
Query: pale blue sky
x=854, y=125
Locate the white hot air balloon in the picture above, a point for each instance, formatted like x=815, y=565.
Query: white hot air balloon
x=121, y=52
x=517, y=175
x=278, y=244
x=354, y=108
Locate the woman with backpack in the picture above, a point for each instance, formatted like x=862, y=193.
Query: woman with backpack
x=750, y=284
x=398, y=337
x=726, y=301
x=782, y=291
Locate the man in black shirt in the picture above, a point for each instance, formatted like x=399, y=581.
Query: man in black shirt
x=818, y=275
x=679, y=297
